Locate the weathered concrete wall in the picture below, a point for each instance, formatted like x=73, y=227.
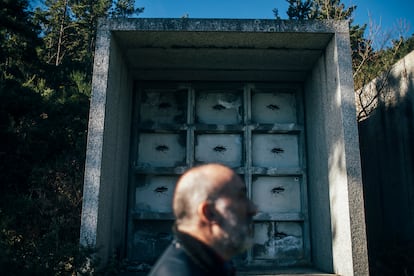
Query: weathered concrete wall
x=338, y=232
x=387, y=156
x=318, y=194
x=107, y=160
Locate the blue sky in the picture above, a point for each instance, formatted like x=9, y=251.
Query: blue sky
x=384, y=13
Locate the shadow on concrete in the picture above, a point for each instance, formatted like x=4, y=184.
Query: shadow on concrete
x=387, y=159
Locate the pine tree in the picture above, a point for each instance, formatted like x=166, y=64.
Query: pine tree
x=299, y=10
x=331, y=9
x=45, y=83
x=125, y=8
x=56, y=23
x=18, y=40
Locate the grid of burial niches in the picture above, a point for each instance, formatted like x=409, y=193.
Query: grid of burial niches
x=256, y=131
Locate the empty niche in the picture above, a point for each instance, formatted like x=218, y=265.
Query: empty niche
x=274, y=194
x=272, y=108
x=219, y=148
x=219, y=108
x=275, y=150
x=150, y=239
x=154, y=193
x=161, y=149
x=280, y=242
x=163, y=107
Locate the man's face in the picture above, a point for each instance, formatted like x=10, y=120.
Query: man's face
x=236, y=212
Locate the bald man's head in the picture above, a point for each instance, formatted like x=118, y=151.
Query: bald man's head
x=211, y=204
x=199, y=184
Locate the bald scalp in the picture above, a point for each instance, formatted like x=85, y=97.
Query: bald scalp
x=198, y=184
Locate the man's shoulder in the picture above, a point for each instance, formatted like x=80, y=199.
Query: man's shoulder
x=175, y=261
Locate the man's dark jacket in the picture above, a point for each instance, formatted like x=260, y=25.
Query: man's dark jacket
x=187, y=256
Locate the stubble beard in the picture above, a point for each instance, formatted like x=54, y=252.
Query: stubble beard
x=237, y=235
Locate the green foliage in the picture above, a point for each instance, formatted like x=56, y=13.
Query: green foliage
x=317, y=9
x=18, y=39
x=406, y=46
x=331, y=9
x=69, y=27
x=69, y=30
x=299, y=10
x=382, y=60
x=276, y=14
x=368, y=63
x=45, y=84
x=125, y=8
x=41, y=167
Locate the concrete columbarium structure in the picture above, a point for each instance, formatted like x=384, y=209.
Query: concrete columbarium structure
x=272, y=99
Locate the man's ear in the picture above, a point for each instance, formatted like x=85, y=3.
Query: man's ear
x=206, y=212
